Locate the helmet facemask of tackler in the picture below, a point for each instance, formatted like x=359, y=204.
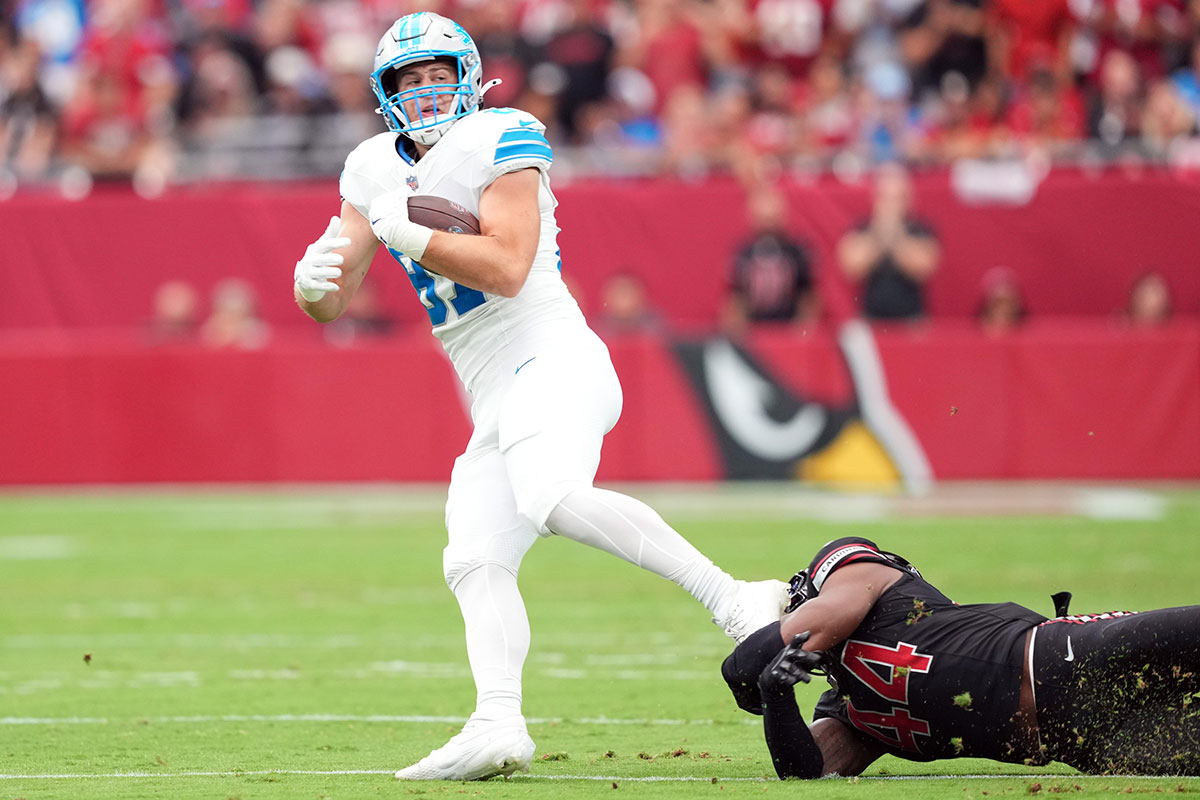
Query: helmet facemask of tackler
x=800, y=591
x=426, y=37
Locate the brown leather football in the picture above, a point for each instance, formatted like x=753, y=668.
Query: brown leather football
x=441, y=214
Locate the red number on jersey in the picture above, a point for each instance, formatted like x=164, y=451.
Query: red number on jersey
x=899, y=662
x=905, y=726
x=901, y=659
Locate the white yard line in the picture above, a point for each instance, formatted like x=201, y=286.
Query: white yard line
x=701, y=644
x=309, y=718
x=519, y=778
x=13, y=683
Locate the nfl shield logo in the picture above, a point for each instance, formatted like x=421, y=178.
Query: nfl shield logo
x=412, y=182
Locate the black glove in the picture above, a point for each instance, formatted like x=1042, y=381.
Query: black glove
x=792, y=664
x=794, y=752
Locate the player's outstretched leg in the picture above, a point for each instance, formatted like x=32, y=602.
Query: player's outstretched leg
x=555, y=414
x=631, y=530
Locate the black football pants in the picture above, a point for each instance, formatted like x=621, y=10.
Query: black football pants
x=1119, y=693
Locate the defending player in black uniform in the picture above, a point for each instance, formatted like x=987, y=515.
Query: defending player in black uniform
x=918, y=676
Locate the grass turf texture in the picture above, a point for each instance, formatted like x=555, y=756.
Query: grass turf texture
x=303, y=645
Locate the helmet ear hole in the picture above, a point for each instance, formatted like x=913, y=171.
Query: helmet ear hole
x=388, y=82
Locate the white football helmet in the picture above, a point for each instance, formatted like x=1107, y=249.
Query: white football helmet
x=426, y=36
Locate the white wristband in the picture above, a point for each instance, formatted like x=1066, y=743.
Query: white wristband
x=398, y=233
x=413, y=240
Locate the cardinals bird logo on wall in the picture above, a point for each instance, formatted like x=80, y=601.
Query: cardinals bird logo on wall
x=766, y=429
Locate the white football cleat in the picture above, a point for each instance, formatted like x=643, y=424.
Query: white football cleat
x=482, y=750
x=754, y=605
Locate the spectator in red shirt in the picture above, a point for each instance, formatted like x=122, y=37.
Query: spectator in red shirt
x=122, y=38
x=1046, y=114
x=104, y=130
x=1025, y=34
x=773, y=127
x=1149, y=30
x=968, y=124
x=827, y=107
x=668, y=47
x=788, y=32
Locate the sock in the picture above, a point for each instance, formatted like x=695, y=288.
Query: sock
x=497, y=638
x=631, y=530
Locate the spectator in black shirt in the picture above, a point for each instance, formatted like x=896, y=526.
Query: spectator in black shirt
x=892, y=253
x=772, y=278
x=28, y=121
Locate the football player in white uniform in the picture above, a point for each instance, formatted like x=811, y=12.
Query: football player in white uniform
x=543, y=389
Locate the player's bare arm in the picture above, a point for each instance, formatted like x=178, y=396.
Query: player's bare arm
x=846, y=597
x=825, y=621
x=356, y=258
x=843, y=751
x=499, y=259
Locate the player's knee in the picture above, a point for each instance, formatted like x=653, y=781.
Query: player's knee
x=505, y=551
x=456, y=570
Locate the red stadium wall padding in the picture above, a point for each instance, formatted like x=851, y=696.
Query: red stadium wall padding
x=1062, y=399
x=1075, y=248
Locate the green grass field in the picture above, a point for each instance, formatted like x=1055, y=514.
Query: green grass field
x=302, y=644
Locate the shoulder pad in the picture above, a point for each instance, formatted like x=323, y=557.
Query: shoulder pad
x=360, y=179
x=500, y=119
x=507, y=139
x=369, y=150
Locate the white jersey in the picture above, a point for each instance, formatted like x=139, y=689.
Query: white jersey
x=477, y=149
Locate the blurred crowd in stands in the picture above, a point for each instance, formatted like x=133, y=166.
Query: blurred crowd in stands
x=163, y=91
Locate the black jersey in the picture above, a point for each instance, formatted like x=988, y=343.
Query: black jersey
x=921, y=675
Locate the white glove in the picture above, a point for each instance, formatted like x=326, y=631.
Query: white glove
x=320, y=264
x=390, y=222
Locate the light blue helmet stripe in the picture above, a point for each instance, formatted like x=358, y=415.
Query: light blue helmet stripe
x=411, y=28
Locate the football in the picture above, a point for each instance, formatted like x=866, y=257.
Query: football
x=441, y=214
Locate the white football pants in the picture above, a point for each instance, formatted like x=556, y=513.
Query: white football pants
x=528, y=469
